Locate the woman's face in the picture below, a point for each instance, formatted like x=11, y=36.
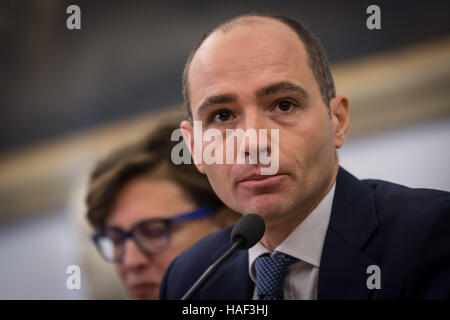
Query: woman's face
x=145, y=198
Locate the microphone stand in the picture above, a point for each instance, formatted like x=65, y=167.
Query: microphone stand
x=197, y=285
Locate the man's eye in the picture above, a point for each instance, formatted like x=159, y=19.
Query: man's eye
x=285, y=106
x=222, y=116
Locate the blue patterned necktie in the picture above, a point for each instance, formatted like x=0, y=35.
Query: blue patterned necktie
x=270, y=274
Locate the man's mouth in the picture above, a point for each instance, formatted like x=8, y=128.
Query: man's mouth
x=261, y=181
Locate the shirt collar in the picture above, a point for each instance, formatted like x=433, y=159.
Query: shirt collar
x=305, y=242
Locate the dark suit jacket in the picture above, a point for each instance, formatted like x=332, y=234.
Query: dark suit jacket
x=404, y=231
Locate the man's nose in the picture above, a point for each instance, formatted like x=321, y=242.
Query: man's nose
x=259, y=141
x=253, y=119
x=133, y=258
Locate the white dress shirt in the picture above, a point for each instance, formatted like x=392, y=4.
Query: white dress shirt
x=304, y=243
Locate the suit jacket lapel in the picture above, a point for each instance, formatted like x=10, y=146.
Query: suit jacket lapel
x=343, y=265
x=231, y=281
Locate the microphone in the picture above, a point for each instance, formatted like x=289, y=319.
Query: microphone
x=247, y=231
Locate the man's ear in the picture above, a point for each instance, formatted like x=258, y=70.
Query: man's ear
x=188, y=136
x=340, y=115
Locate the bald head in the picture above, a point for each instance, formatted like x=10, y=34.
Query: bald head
x=239, y=34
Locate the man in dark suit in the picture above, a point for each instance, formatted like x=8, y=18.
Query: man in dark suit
x=328, y=235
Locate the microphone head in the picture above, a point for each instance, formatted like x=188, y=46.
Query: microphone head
x=250, y=229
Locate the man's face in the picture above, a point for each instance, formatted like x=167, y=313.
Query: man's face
x=257, y=77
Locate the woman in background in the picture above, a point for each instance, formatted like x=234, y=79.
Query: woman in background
x=147, y=210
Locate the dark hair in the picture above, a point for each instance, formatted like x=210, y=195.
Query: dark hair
x=317, y=58
x=122, y=166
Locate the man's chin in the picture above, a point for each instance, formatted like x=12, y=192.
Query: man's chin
x=263, y=205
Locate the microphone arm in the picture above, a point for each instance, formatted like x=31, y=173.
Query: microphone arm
x=212, y=268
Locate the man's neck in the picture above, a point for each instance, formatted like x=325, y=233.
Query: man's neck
x=277, y=231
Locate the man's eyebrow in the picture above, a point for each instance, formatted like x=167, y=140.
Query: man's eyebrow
x=280, y=87
x=217, y=99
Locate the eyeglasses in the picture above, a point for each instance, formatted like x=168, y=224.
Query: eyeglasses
x=151, y=235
